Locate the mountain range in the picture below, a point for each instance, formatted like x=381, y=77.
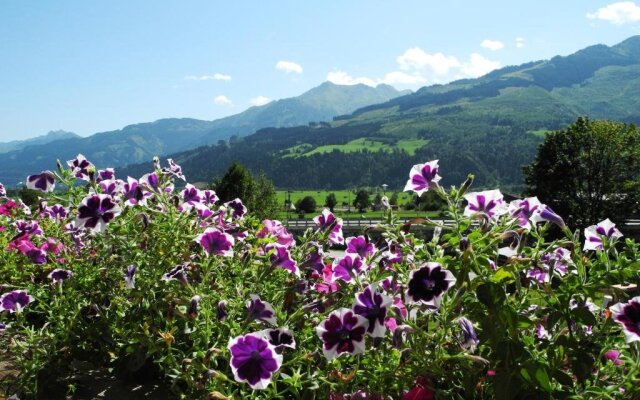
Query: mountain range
x=489, y=126
x=140, y=142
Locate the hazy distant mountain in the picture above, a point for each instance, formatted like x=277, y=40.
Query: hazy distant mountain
x=140, y=142
x=489, y=126
x=43, y=139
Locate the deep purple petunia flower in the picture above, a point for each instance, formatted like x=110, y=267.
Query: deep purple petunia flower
x=112, y=187
x=422, y=177
x=260, y=310
x=96, y=211
x=15, y=301
x=469, y=337
x=279, y=338
x=612, y=356
x=342, y=332
x=489, y=203
x=314, y=260
x=177, y=273
x=359, y=246
x=327, y=220
x=191, y=197
x=238, y=209
x=80, y=167
x=57, y=211
x=253, y=360
x=281, y=258
x=428, y=283
x=60, y=275
x=130, y=277
x=595, y=235
x=44, y=181
x=347, y=267
x=374, y=307
x=559, y=259
x=215, y=242
x=628, y=315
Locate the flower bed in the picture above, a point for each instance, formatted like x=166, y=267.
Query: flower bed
x=142, y=278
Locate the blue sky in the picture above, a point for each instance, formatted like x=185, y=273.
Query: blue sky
x=88, y=66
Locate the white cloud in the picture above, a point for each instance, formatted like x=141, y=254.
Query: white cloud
x=289, y=67
x=492, y=45
x=619, y=13
x=259, y=101
x=217, y=76
x=478, y=66
x=222, y=100
x=519, y=42
x=416, y=59
x=342, y=78
x=418, y=68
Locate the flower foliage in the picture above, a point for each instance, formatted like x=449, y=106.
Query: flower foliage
x=501, y=301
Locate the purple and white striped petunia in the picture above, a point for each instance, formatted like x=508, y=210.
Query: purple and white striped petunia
x=44, y=181
x=281, y=258
x=15, y=301
x=558, y=259
x=215, y=242
x=327, y=220
x=422, y=177
x=490, y=203
x=253, y=360
x=238, y=209
x=59, y=275
x=546, y=214
x=209, y=197
x=279, y=231
x=96, y=211
x=347, y=267
x=177, y=273
x=428, y=283
x=359, y=246
x=279, y=338
x=596, y=234
x=342, y=332
x=112, y=187
x=80, y=167
x=57, y=211
x=525, y=211
x=469, y=337
x=191, y=197
x=130, y=277
x=173, y=170
x=133, y=193
x=32, y=228
x=628, y=315
x=3, y=191
x=105, y=174
x=260, y=310
x=373, y=306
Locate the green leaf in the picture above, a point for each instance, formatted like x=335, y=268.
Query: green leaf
x=491, y=294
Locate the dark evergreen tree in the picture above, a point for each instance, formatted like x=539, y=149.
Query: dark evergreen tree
x=331, y=201
x=306, y=205
x=361, y=202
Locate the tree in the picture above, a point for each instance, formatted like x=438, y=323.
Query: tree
x=331, y=201
x=258, y=195
x=361, y=202
x=307, y=205
x=588, y=172
x=394, y=199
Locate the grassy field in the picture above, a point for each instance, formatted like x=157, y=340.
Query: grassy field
x=408, y=145
x=354, y=214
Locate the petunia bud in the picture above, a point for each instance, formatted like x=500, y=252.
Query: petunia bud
x=467, y=183
x=222, y=310
x=464, y=243
x=192, y=312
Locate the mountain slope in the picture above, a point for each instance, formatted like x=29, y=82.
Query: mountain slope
x=140, y=142
x=51, y=136
x=489, y=126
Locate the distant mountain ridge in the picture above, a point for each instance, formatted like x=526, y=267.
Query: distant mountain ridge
x=49, y=137
x=140, y=142
x=489, y=126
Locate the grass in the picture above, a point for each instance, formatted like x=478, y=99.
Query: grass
x=354, y=214
x=343, y=196
x=407, y=145
x=540, y=132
